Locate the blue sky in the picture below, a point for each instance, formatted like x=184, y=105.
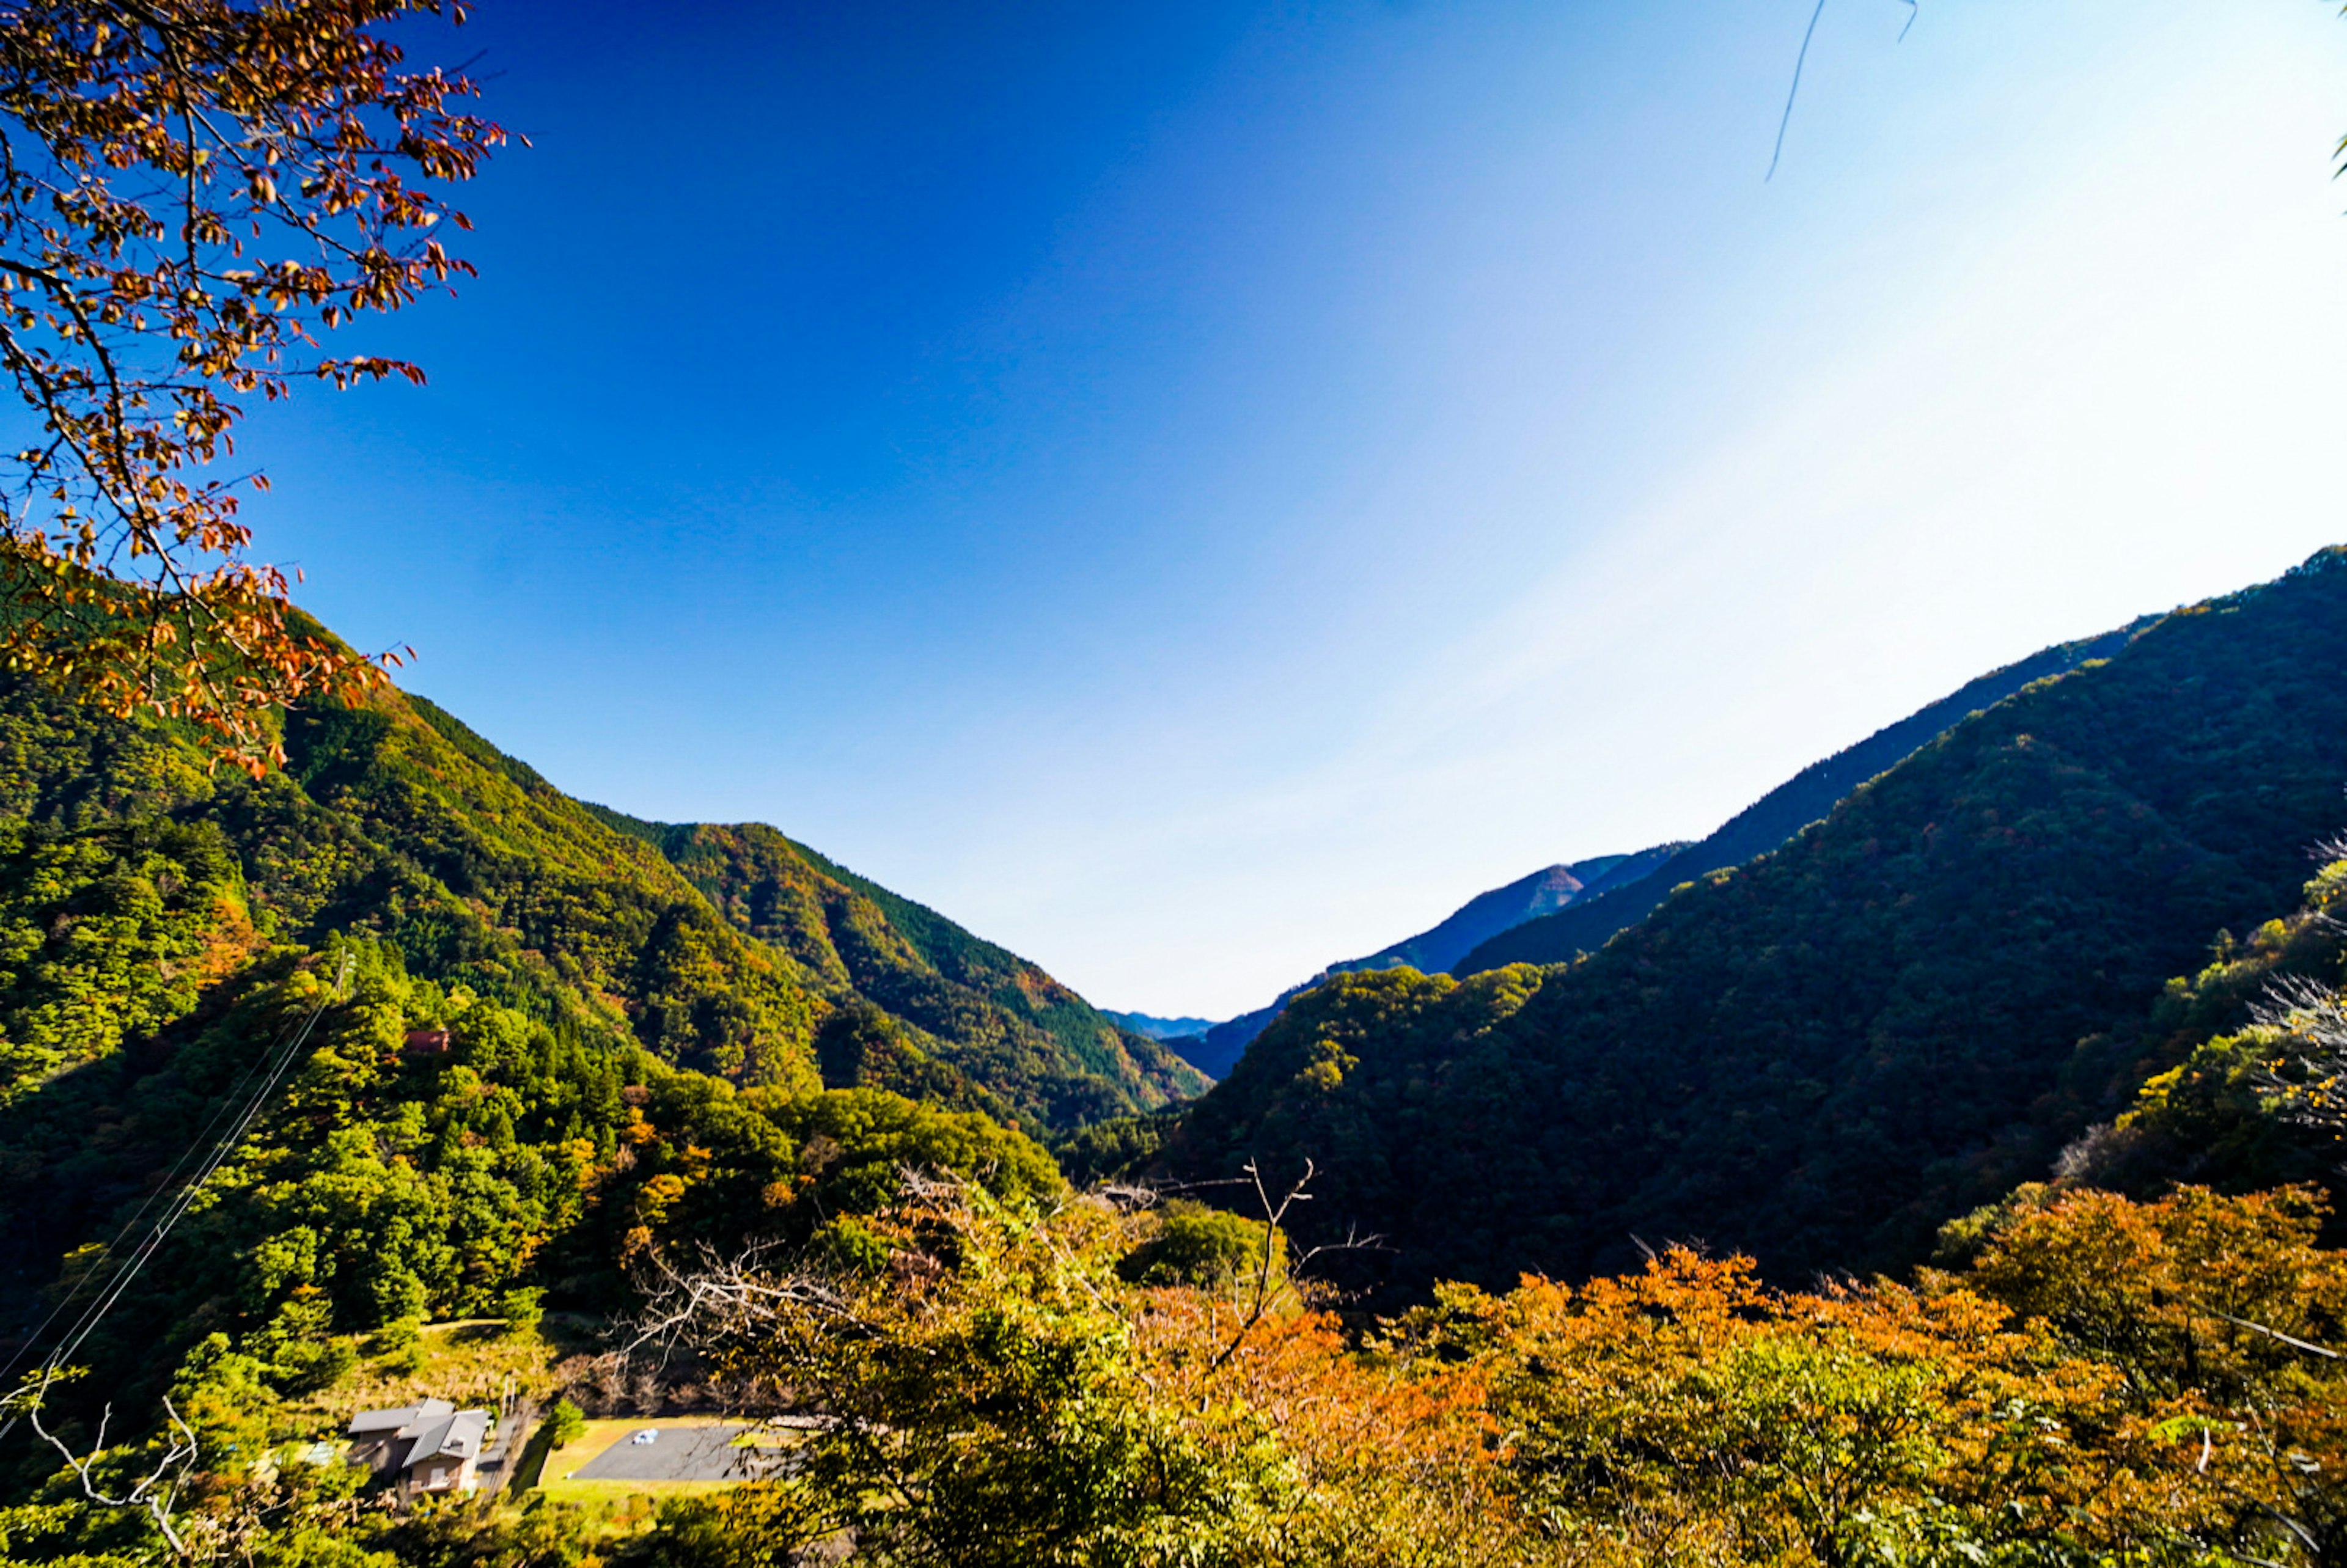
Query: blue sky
x=1196, y=492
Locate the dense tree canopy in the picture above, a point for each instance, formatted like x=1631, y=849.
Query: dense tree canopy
x=131, y=878
x=1900, y=1013
x=611, y=1065
x=978, y=1376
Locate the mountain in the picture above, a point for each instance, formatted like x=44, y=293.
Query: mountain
x=1819, y=1056
x=463, y=1105
x=1158, y=1029
x=133, y=880
x=1809, y=795
x=996, y=1017
x=1487, y=915
x=1215, y=1048
x=417, y=1020
x=443, y=1038
x=1563, y=910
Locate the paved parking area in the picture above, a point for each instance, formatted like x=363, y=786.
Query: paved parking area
x=697, y=1452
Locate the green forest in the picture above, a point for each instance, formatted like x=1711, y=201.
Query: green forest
x=1952, y=1184
x=1818, y=1056
x=137, y=875
x=1586, y=924
x=406, y=1164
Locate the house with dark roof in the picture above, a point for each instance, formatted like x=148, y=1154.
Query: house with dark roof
x=425, y=1449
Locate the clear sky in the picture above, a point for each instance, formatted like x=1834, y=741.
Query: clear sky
x=1197, y=491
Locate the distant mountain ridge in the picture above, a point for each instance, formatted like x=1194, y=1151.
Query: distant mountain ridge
x=1560, y=910
x=1215, y=1049
x=1808, y=796
x=1151, y=1027
x=1487, y=915
x=1819, y=1056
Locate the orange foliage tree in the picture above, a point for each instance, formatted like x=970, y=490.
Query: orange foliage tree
x=978, y=1386
x=2219, y=1320
x=190, y=191
x=984, y=1382
x=1688, y=1414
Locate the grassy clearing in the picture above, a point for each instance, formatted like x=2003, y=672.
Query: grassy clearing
x=621, y=1492
x=474, y=1362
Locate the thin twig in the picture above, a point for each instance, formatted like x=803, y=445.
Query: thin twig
x=2295, y=1344
x=1798, y=61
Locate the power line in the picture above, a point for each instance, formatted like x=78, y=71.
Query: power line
x=186, y=1198
x=220, y=1108
x=278, y=1061
x=1914, y=9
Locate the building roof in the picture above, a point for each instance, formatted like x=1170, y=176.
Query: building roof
x=397, y=1420
x=456, y=1436
x=425, y=1431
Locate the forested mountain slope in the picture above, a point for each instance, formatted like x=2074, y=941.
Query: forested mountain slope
x=991, y=1013
x=1822, y=1054
x=1478, y=919
x=130, y=880
x=1487, y=915
x=1585, y=925
x=565, y=1037
x=414, y=1151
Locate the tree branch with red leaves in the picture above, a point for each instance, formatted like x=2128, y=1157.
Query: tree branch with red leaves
x=193, y=192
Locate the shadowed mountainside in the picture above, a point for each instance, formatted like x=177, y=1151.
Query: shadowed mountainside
x=1433, y=952
x=1561, y=910
x=1586, y=924
x=1820, y=1055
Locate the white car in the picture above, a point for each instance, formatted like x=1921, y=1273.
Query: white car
x=648, y=1435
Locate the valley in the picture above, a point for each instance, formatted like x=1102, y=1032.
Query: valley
x=1184, y=494
x=536, y=1051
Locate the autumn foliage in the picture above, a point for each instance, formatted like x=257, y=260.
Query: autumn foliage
x=970, y=1364
x=191, y=192
x=2109, y=1382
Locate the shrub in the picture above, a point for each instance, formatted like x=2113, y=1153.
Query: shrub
x=1195, y=1246
x=565, y=1424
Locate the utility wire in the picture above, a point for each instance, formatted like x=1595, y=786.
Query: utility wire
x=1914, y=9
x=279, y=1062
x=220, y=1108
x=227, y=1146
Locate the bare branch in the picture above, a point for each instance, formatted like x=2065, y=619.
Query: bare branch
x=2296, y=1344
x=153, y=1492
x=2309, y=1084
